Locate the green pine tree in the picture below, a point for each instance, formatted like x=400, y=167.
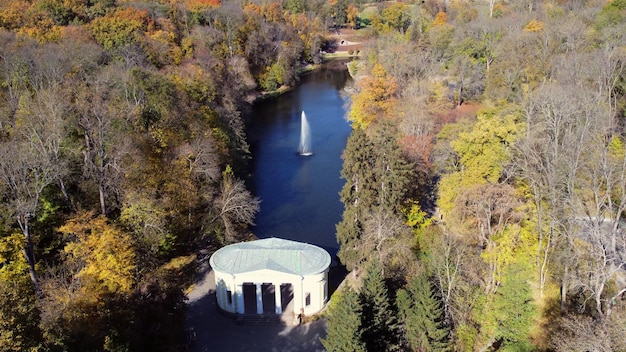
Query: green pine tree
x=422, y=316
x=343, y=323
x=376, y=175
x=359, y=158
x=392, y=172
x=357, y=196
x=514, y=309
x=378, y=319
x=348, y=233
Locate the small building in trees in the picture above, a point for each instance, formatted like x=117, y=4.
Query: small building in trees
x=271, y=276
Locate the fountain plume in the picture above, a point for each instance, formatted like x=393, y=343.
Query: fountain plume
x=305, y=137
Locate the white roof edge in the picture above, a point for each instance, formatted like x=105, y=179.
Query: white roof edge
x=274, y=254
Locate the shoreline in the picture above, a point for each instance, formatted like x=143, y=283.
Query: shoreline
x=264, y=96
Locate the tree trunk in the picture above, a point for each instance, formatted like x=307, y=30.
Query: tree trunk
x=64, y=190
x=102, y=202
x=29, y=254
x=610, y=303
x=564, y=288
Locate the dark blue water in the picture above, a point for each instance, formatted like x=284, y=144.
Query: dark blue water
x=300, y=195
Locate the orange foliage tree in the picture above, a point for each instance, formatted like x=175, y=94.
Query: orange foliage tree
x=13, y=14
x=376, y=98
x=121, y=28
x=197, y=5
x=440, y=19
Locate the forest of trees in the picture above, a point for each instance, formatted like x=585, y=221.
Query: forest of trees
x=485, y=179
x=485, y=175
x=123, y=157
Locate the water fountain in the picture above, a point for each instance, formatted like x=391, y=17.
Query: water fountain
x=305, y=137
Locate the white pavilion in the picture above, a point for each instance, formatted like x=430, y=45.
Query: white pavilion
x=271, y=276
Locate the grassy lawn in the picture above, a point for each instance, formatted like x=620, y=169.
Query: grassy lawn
x=339, y=55
x=369, y=12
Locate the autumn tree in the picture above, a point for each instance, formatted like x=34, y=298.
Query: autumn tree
x=480, y=154
x=100, y=119
x=121, y=28
x=558, y=119
x=14, y=14
x=103, y=263
x=106, y=252
x=375, y=100
x=25, y=174
x=19, y=309
x=396, y=17
x=352, y=15
x=235, y=206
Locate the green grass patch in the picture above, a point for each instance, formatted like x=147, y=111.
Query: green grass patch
x=340, y=55
x=369, y=12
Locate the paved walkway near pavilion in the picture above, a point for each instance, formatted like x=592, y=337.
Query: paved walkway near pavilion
x=215, y=332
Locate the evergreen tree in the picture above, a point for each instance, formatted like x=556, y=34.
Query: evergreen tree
x=393, y=173
x=378, y=318
x=513, y=309
x=359, y=158
x=422, y=316
x=343, y=323
x=376, y=175
x=348, y=233
x=357, y=195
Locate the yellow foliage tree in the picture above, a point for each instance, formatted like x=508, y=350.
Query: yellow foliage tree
x=352, y=14
x=106, y=253
x=534, y=26
x=440, y=19
x=13, y=265
x=121, y=28
x=13, y=14
x=482, y=153
x=376, y=98
x=19, y=310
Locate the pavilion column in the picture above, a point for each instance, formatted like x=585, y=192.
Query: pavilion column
x=259, y=299
x=297, y=297
x=278, y=299
x=239, y=297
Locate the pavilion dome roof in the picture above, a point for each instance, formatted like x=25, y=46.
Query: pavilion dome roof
x=274, y=254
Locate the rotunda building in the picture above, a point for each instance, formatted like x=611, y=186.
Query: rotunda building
x=271, y=276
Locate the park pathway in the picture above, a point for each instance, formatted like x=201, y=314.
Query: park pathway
x=208, y=330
